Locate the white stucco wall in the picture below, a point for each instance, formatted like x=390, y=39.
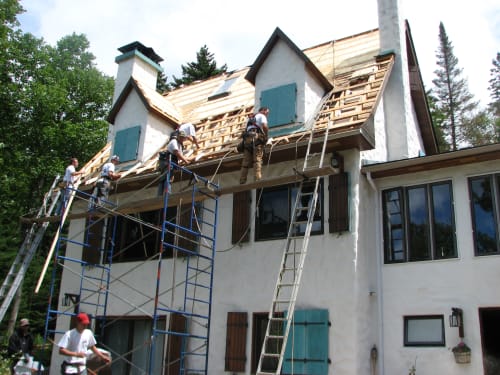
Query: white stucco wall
x=283, y=67
x=154, y=131
x=434, y=287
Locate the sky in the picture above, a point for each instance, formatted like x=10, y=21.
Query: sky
x=236, y=31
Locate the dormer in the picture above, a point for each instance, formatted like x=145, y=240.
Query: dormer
x=141, y=119
x=288, y=83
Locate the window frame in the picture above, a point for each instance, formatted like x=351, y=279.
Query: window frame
x=408, y=250
x=288, y=190
x=409, y=318
x=494, y=184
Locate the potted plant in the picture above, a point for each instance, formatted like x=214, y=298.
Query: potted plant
x=461, y=353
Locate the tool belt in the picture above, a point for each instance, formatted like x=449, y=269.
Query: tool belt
x=65, y=365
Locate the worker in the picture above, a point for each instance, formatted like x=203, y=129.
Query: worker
x=75, y=343
x=20, y=345
x=103, y=184
x=254, y=140
x=174, y=153
x=190, y=131
x=68, y=183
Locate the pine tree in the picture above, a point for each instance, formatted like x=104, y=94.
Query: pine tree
x=204, y=67
x=494, y=88
x=453, y=98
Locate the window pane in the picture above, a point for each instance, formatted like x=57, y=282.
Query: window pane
x=307, y=190
x=393, y=226
x=443, y=225
x=424, y=331
x=418, y=224
x=484, y=219
x=272, y=221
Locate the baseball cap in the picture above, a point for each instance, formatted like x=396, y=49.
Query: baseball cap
x=24, y=322
x=182, y=133
x=115, y=157
x=83, y=318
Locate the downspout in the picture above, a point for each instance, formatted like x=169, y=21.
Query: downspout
x=380, y=351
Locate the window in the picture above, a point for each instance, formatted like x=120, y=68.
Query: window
x=484, y=197
x=127, y=339
x=259, y=325
x=275, y=206
x=419, y=223
x=424, y=330
x=139, y=239
x=127, y=143
x=282, y=104
x=223, y=89
x=236, y=337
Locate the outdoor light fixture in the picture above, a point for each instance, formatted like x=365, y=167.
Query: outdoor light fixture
x=70, y=298
x=457, y=320
x=337, y=161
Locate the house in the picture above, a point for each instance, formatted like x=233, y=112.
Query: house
x=403, y=237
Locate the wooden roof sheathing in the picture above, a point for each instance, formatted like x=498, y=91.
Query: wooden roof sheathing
x=351, y=65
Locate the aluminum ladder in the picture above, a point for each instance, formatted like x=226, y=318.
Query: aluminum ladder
x=28, y=249
x=292, y=264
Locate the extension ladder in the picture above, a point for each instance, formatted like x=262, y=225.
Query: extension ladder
x=28, y=249
x=292, y=263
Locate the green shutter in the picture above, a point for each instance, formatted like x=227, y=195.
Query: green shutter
x=309, y=339
x=127, y=143
x=281, y=102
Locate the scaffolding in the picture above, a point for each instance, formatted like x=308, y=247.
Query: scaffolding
x=188, y=237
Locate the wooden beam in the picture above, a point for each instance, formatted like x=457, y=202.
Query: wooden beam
x=174, y=199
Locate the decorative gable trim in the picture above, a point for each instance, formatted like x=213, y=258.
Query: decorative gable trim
x=145, y=99
x=280, y=35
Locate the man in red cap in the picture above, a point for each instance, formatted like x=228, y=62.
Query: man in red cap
x=75, y=343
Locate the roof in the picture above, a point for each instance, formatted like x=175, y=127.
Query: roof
x=427, y=163
x=356, y=74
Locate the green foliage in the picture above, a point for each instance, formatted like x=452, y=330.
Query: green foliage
x=54, y=105
x=453, y=99
x=204, y=67
x=494, y=88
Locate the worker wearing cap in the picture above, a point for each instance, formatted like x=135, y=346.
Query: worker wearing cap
x=75, y=343
x=20, y=343
x=103, y=184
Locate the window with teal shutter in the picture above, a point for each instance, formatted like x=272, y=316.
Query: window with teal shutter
x=127, y=143
x=309, y=339
x=281, y=102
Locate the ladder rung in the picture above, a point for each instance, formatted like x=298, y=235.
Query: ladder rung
x=271, y=355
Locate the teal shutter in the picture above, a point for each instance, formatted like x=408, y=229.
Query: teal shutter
x=127, y=143
x=309, y=339
x=281, y=102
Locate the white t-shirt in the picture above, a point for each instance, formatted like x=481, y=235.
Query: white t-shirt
x=68, y=175
x=260, y=120
x=75, y=341
x=174, y=145
x=108, y=167
x=189, y=129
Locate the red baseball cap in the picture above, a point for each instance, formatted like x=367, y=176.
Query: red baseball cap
x=82, y=318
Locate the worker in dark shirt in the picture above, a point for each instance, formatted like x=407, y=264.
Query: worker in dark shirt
x=20, y=344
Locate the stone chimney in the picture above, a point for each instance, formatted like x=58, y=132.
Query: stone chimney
x=139, y=62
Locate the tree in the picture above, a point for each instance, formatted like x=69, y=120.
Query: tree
x=204, y=67
x=54, y=104
x=494, y=88
x=453, y=98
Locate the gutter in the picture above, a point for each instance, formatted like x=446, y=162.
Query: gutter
x=379, y=249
